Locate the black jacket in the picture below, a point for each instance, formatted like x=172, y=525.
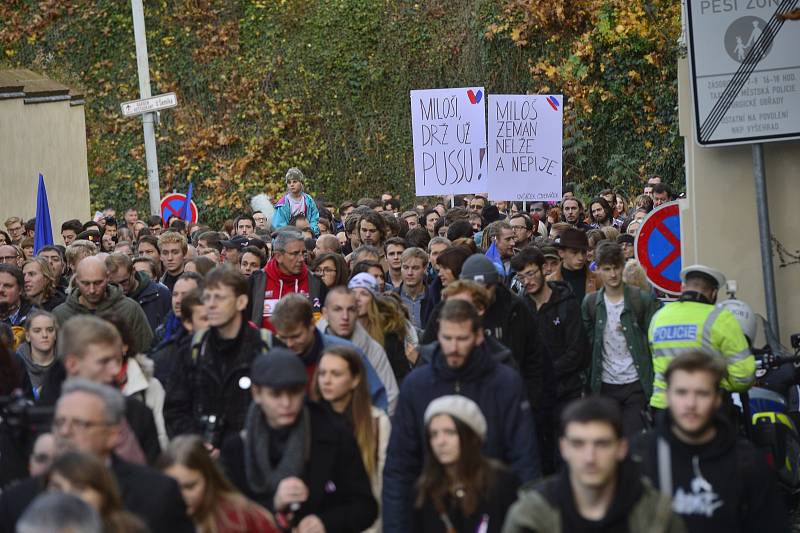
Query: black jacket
x=208, y=380
x=561, y=330
x=433, y=296
x=339, y=489
x=167, y=356
x=54, y=301
x=152, y=496
x=154, y=298
x=492, y=507
x=395, y=345
x=723, y=485
x=508, y=320
x=19, y=320
x=139, y=416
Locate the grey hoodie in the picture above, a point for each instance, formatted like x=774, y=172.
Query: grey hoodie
x=34, y=370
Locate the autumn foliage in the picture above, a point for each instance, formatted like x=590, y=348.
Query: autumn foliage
x=323, y=85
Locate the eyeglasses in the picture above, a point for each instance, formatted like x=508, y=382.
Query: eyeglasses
x=293, y=254
x=324, y=271
x=6, y=258
x=77, y=423
x=524, y=276
x=213, y=298
x=520, y=228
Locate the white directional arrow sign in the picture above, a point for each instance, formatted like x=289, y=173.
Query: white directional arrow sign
x=148, y=105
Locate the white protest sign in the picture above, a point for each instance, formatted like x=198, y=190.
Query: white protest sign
x=449, y=132
x=525, y=156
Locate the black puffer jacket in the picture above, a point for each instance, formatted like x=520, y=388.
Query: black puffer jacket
x=508, y=320
x=561, y=331
x=208, y=379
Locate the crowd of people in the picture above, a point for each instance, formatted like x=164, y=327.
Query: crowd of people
x=460, y=366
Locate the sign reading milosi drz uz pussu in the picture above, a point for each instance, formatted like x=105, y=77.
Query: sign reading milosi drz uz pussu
x=745, y=62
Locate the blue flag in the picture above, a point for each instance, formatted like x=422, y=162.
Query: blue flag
x=186, y=212
x=494, y=255
x=43, y=235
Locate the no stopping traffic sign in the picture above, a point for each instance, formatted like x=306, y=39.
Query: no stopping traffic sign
x=658, y=247
x=172, y=205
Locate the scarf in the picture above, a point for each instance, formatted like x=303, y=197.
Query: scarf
x=279, y=283
x=261, y=476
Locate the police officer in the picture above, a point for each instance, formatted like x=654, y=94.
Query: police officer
x=695, y=322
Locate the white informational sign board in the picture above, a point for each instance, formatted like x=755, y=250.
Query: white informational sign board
x=745, y=64
x=449, y=132
x=148, y=105
x=525, y=147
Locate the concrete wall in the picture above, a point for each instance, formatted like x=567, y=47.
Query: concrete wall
x=47, y=137
x=719, y=225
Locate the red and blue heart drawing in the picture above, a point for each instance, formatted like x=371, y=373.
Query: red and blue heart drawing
x=474, y=97
x=553, y=102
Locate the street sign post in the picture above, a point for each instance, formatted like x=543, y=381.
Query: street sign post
x=658, y=247
x=172, y=206
x=149, y=105
x=745, y=71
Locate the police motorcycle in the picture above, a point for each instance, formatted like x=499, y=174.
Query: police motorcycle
x=772, y=405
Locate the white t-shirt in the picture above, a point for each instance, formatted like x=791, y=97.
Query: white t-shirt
x=618, y=365
x=298, y=206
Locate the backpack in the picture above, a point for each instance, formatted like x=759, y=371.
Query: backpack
x=199, y=337
x=636, y=304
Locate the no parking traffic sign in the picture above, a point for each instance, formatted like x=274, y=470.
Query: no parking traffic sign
x=658, y=247
x=172, y=206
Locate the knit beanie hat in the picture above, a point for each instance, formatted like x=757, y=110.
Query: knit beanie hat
x=295, y=173
x=480, y=268
x=364, y=280
x=461, y=408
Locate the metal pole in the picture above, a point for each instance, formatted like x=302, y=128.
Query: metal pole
x=765, y=236
x=148, y=119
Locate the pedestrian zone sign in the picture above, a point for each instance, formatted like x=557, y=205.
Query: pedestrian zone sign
x=745, y=70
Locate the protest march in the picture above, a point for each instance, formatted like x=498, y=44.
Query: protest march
x=489, y=338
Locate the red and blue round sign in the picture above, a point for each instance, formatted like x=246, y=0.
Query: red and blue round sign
x=658, y=247
x=172, y=206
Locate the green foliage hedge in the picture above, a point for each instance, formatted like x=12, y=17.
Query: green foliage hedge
x=323, y=85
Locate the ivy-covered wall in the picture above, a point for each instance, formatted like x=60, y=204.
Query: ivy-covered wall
x=323, y=85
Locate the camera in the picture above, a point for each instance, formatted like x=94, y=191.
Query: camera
x=23, y=421
x=795, y=340
x=212, y=426
x=21, y=415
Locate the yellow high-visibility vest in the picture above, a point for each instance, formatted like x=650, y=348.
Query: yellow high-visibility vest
x=680, y=327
